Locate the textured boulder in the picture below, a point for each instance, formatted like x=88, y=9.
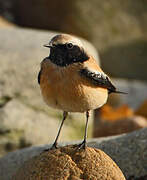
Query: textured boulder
x=128, y=151
x=70, y=163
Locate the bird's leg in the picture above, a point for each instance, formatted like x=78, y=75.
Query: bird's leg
x=54, y=146
x=83, y=144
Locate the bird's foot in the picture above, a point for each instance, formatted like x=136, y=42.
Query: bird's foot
x=54, y=146
x=82, y=145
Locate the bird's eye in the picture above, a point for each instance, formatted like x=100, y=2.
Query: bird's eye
x=69, y=45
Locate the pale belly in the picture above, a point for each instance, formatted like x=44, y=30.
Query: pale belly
x=72, y=96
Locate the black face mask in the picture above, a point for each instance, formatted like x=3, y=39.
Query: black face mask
x=66, y=54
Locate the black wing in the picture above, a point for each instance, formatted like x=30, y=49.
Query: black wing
x=98, y=79
x=39, y=76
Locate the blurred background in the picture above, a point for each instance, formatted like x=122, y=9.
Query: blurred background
x=117, y=32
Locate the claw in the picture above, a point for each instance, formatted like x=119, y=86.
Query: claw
x=54, y=146
x=82, y=145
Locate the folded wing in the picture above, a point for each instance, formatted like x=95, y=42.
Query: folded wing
x=98, y=78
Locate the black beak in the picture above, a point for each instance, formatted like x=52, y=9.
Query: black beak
x=47, y=45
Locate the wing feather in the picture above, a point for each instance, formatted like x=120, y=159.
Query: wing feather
x=98, y=79
x=39, y=76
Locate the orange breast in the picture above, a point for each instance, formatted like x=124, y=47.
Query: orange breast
x=63, y=88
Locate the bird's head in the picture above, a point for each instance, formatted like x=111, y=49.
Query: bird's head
x=66, y=49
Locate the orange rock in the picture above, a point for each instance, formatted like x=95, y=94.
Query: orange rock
x=108, y=128
x=5, y=23
x=70, y=163
x=142, y=110
x=112, y=114
x=110, y=121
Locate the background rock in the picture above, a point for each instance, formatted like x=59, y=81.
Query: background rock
x=142, y=110
x=128, y=151
x=126, y=59
x=22, y=126
x=104, y=127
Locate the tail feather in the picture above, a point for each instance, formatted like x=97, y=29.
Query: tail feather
x=118, y=92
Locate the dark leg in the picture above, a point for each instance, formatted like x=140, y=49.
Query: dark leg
x=64, y=117
x=83, y=144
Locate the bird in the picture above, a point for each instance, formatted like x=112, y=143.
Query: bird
x=71, y=80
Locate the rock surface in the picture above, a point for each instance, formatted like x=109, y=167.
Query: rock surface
x=129, y=151
x=22, y=126
x=69, y=163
